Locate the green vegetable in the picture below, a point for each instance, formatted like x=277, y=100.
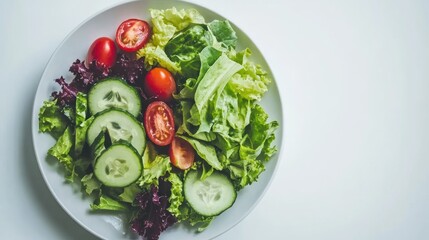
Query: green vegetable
x=51, y=119
x=185, y=47
x=154, y=166
x=176, y=197
x=61, y=151
x=223, y=33
x=90, y=183
x=81, y=123
x=108, y=203
x=165, y=24
x=252, y=81
x=129, y=193
x=205, y=151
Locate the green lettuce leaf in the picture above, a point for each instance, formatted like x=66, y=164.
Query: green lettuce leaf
x=252, y=81
x=80, y=135
x=107, y=203
x=195, y=219
x=211, y=86
x=223, y=33
x=51, y=119
x=81, y=122
x=165, y=23
x=176, y=198
x=61, y=151
x=205, y=151
x=130, y=193
x=90, y=183
x=154, y=55
x=185, y=47
x=154, y=166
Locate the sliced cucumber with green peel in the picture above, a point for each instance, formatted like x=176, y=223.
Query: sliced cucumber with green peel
x=211, y=196
x=118, y=166
x=120, y=125
x=114, y=93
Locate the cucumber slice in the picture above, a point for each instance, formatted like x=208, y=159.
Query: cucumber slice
x=118, y=166
x=211, y=196
x=120, y=125
x=114, y=93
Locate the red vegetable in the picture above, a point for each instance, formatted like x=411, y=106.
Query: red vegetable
x=182, y=154
x=159, y=123
x=103, y=51
x=132, y=34
x=160, y=84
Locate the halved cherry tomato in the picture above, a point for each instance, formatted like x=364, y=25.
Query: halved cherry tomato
x=103, y=50
x=159, y=83
x=132, y=34
x=182, y=154
x=159, y=123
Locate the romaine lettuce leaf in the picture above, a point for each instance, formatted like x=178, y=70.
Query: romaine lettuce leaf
x=194, y=218
x=51, y=119
x=185, y=47
x=61, y=151
x=154, y=166
x=81, y=123
x=165, y=23
x=252, y=81
x=90, y=183
x=130, y=192
x=211, y=86
x=176, y=196
x=223, y=33
x=108, y=203
x=154, y=55
x=205, y=151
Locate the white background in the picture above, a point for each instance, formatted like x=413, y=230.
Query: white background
x=354, y=80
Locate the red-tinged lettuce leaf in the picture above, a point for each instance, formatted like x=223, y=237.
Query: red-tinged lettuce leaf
x=84, y=78
x=152, y=216
x=132, y=70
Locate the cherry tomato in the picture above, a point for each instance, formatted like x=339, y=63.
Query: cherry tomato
x=159, y=83
x=159, y=123
x=132, y=34
x=103, y=50
x=182, y=154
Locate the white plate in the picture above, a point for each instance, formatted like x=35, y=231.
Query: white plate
x=69, y=196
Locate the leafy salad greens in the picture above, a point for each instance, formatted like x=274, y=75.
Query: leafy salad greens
x=215, y=110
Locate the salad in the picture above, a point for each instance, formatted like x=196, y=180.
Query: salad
x=162, y=122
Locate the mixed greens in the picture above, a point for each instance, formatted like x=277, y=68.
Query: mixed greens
x=215, y=110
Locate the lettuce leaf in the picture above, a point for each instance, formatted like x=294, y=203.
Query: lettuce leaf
x=165, y=23
x=90, y=183
x=108, y=203
x=223, y=33
x=61, y=151
x=185, y=47
x=205, y=151
x=169, y=21
x=130, y=192
x=176, y=197
x=252, y=81
x=51, y=119
x=154, y=166
x=81, y=123
x=210, y=86
x=194, y=218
